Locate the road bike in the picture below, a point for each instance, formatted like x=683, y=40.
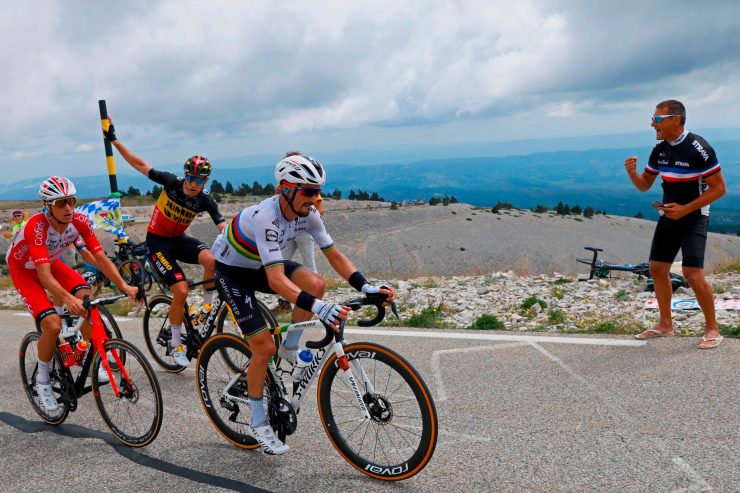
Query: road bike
x=133, y=265
x=602, y=269
x=375, y=408
x=130, y=402
x=198, y=324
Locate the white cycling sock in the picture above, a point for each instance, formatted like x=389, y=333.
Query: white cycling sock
x=43, y=375
x=176, y=340
x=292, y=339
x=259, y=418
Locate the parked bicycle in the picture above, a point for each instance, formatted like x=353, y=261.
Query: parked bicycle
x=602, y=269
x=199, y=323
x=130, y=401
x=375, y=408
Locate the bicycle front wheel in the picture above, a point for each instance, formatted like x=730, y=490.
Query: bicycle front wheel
x=135, y=414
x=133, y=273
x=157, y=332
x=227, y=409
x=28, y=359
x=399, y=438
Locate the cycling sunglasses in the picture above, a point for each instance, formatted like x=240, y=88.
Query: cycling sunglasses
x=660, y=118
x=198, y=180
x=309, y=192
x=60, y=203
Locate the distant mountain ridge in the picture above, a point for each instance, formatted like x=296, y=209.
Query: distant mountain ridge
x=586, y=177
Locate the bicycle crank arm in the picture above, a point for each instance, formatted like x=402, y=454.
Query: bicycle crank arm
x=346, y=371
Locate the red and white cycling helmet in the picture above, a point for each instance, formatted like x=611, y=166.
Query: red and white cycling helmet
x=300, y=170
x=56, y=187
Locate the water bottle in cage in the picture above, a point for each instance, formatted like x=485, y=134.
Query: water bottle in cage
x=66, y=351
x=305, y=357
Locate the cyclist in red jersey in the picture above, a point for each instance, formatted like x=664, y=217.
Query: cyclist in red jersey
x=179, y=203
x=35, y=266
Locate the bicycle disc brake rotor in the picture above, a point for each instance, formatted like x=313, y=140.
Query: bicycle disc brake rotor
x=379, y=408
x=282, y=415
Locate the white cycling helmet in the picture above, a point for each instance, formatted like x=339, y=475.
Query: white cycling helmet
x=300, y=170
x=56, y=187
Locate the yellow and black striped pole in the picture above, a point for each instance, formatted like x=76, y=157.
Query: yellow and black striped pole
x=108, y=151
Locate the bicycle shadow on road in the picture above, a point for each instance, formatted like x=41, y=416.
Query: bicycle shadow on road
x=80, y=432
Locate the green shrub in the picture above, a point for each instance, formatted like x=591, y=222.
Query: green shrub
x=556, y=317
x=557, y=293
x=732, y=331
x=622, y=295
x=562, y=280
x=431, y=316
x=527, y=304
x=488, y=322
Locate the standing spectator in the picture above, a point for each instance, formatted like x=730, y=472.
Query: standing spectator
x=19, y=219
x=691, y=181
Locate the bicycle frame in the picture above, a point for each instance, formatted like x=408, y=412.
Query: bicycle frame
x=97, y=340
x=323, y=352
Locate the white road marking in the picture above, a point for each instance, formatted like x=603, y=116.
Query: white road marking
x=557, y=360
x=117, y=319
x=589, y=341
x=437, y=372
x=699, y=483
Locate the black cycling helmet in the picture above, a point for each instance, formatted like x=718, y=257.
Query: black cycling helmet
x=197, y=165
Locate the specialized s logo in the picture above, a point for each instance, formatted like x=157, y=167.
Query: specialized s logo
x=271, y=235
x=701, y=150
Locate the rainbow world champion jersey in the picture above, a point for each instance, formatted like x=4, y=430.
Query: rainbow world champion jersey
x=256, y=236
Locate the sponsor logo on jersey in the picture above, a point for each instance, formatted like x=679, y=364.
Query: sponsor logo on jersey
x=174, y=211
x=682, y=164
x=178, y=276
x=271, y=235
x=701, y=150
x=38, y=232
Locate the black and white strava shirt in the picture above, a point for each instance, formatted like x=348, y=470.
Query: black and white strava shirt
x=684, y=164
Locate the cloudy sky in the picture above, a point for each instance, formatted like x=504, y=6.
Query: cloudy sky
x=237, y=78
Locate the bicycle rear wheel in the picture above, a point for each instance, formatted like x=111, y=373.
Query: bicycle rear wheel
x=226, y=324
x=228, y=411
x=399, y=439
x=135, y=415
x=157, y=332
x=28, y=360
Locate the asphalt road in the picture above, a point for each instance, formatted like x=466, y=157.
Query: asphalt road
x=514, y=415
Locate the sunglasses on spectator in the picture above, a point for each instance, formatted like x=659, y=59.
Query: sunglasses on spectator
x=198, y=180
x=309, y=192
x=660, y=118
x=60, y=203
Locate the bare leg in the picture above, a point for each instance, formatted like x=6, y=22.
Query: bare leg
x=263, y=348
x=660, y=272
x=703, y=291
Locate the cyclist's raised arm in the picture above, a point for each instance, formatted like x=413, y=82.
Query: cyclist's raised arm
x=135, y=161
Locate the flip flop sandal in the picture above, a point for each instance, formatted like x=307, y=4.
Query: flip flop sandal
x=715, y=342
x=656, y=333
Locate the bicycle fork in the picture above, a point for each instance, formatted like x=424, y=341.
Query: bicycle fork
x=346, y=372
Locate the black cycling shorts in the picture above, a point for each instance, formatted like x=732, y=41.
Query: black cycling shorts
x=689, y=234
x=164, y=253
x=237, y=285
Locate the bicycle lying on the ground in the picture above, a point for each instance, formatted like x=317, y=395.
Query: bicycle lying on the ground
x=376, y=409
x=130, y=402
x=602, y=269
x=199, y=324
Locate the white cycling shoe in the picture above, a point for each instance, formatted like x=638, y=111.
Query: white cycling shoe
x=289, y=355
x=268, y=441
x=102, y=375
x=180, y=356
x=47, y=401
